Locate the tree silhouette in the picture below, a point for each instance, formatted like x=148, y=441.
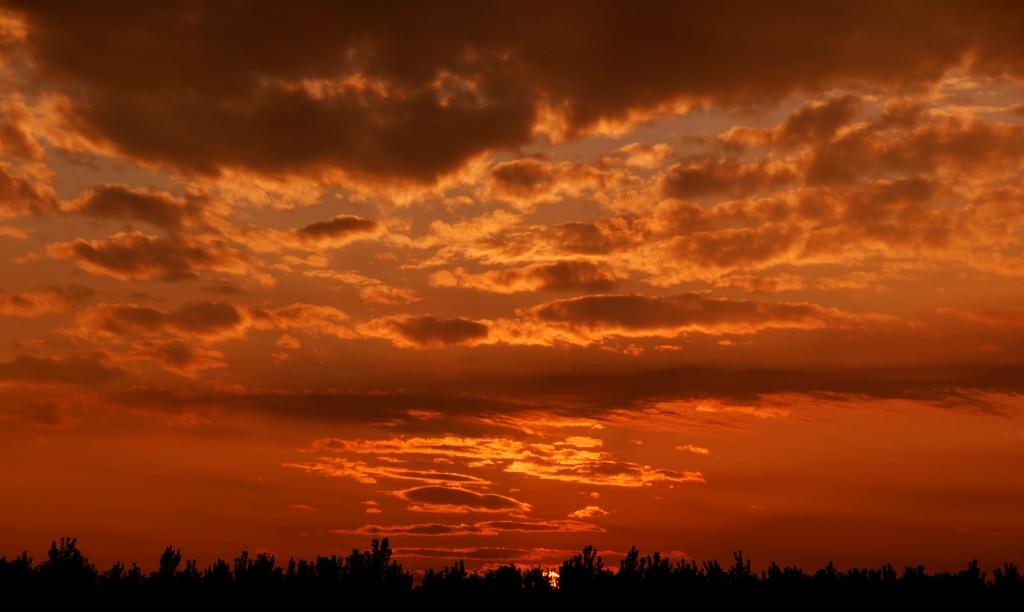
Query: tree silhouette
x=373, y=575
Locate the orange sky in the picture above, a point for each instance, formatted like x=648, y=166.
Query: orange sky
x=502, y=281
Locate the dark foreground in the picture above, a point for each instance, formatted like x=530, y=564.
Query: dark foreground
x=338, y=582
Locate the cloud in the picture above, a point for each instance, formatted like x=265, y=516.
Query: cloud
x=639, y=155
x=1000, y=318
x=558, y=276
x=371, y=290
x=541, y=526
x=181, y=339
x=425, y=331
x=485, y=528
x=123, y=203
x=360, y=98
x=21, y=194
x=573, y=459
x=422, y=529
x=185, y=358
x=713, y=177
x=74, y=370
x=339, y=231
x=598, y=468
x=458, y=500
x=374, y=406
x=313, y=319
x=773, y=283
x=588, y=512
x=192, y=319
x=523, y=178
x=736, y=248
x=472, y=552
x=636, y=315
x=696, y=450
x=528, y=181
x=16, y=138
x=915, y=144
x=50, y=300
x=815, y=122
x=340, y=467
x=138, y=256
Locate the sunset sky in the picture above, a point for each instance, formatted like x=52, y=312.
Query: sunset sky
x=501, y=280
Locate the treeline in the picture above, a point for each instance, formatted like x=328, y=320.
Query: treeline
x=66, y=574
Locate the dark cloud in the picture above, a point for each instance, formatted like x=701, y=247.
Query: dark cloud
x=339, y=230
x=202, y=318
x=594, y=393
x=43, y=301
x=122, y=203
x=522, y=178
x=713, y=177
x=427, y=331
x=138, y=256
x=818, y=121
x=900, y=143
x=322, y=406
x=953, y=385
x=570, y=276
x=186, y=358
x=415, y=93
x=74, y=370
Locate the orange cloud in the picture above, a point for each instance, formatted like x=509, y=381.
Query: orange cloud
x=574, y=459
x=588, y=512
x=691, y=448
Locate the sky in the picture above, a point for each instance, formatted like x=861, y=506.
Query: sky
x=501, y=280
